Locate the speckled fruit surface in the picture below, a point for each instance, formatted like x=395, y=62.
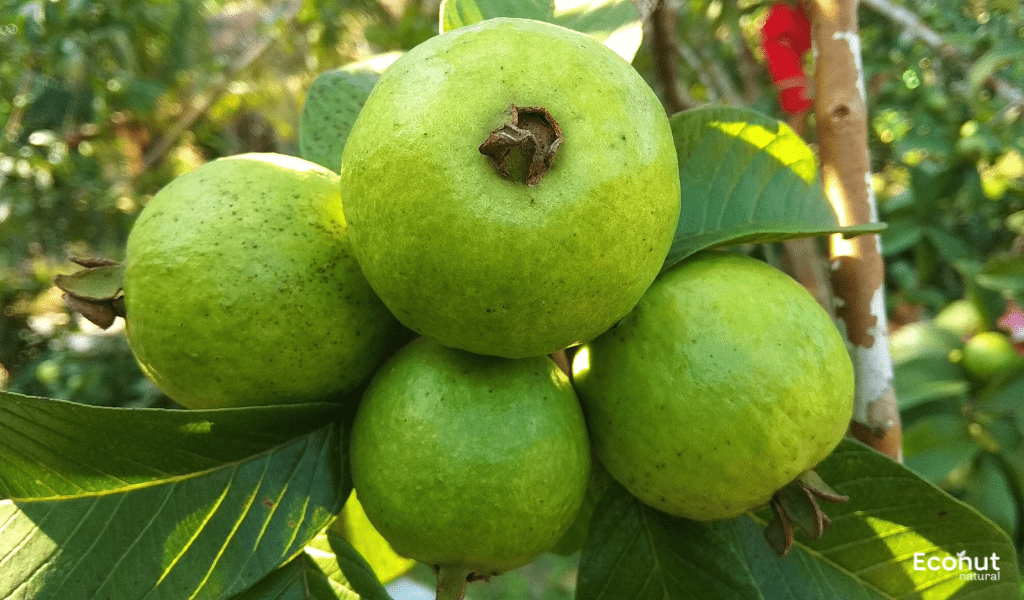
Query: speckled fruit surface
x=241, y=288
x=469, y=462
x=490, y=264
x=725, y=383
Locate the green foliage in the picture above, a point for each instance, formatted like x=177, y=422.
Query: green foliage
x=195, y=504
x=746, y=177
x=616, y=23
x=947, y=148
x=878, y=546
x=171, y=503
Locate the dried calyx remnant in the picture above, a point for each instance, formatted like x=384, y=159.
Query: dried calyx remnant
x=797, y=504
x=96, y=292
x=533, y=132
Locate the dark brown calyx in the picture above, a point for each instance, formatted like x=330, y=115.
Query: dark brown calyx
x=532, y=136
x=797, y=505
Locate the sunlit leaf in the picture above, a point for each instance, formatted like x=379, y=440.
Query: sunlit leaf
x=878, y=547
x=615, y=23
x=746, y=177
x=148, y=503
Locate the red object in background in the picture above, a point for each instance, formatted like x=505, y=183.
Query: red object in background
x=785, y=37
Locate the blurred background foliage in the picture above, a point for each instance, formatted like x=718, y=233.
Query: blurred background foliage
x=102, y=103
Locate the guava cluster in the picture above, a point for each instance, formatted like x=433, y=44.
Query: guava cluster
x=502, y=210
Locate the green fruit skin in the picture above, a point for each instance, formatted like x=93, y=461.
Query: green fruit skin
x=469, y=461
x=724, y=384
x=989, y=353
x=241, y=288
x=960, y=317
x=491, y=265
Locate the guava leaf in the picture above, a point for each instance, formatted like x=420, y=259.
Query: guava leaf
x=332, y=105
x=614, y=23
x=147, y=503
x=328, y=569
x=928, y=378
x=1003, y=274
x=353, y=525
x=746, y=178
x=936, y=444
x=893, y=518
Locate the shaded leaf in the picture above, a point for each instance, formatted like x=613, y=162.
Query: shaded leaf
x=148, y=503
x=746, y=178
x=328, y=569
x=928, y=378
x=893, y=523
x=52, y=448
x=615, y=23
x=988, y=490
x=989, y=63
x=948, y=245
x=1003, y=274
x=332, y=105
x=901, y=234
x=935, y=445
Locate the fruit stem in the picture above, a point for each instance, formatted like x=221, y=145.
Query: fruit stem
x=451, y=582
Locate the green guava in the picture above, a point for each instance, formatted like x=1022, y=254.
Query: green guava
x=473, y=464
x=989, y=353
x=511, y=188
x=241, y=287
x=960, y=317
x=725, y=383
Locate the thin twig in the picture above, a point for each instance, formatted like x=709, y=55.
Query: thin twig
x=663, y=27
x=721, y=79
x=693, y=61
x=645, y=8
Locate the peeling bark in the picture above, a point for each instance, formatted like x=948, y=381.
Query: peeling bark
x=857, y=268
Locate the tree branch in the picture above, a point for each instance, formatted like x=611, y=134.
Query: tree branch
x=666, y=50
x=840, y=109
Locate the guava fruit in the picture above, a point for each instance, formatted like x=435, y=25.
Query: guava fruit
x=960, y=317
x=725, y=383
x=989, y=353
x=511, y=188
x=241, y=288
x=473, y=464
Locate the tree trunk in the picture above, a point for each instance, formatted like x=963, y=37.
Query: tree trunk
x=840, y=110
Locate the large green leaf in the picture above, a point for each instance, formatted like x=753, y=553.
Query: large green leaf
x=147, y=503
x=746, y=177
x=332, y=105
x=615, y=23
x=878, y=546
x=328, y=569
